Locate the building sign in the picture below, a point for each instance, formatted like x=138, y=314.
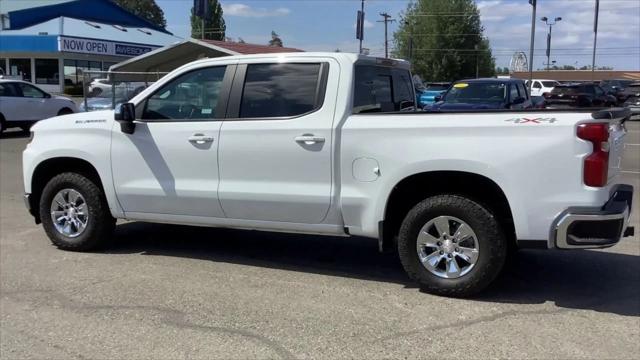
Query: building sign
x=101, y=47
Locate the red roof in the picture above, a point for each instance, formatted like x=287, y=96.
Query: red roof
x=250, y=48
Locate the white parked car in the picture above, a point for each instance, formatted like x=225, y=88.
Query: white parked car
x=541, y=86
x=330, y=144
x=22, y=104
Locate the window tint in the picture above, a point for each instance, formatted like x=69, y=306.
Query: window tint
x=381, y=89
x=523, y=92
x=193, y=95
x=7, y=90
x=536, y=85
x=477, y=92
x=598, y=90
x=589, y=89
x=513, y=92
x=566, y=90
x=278, y=90
x=30, y=91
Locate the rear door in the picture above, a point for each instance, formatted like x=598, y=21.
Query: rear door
x=11, y=104
x=275, y=144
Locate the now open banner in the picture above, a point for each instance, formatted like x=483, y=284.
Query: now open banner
x=101, y=47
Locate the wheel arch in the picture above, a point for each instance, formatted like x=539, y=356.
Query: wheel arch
x=414, y=188
x=65, y=110
x=51, y=167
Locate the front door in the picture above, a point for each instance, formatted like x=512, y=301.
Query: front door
x=275, y=147
x=33, y=102
x=169, y=165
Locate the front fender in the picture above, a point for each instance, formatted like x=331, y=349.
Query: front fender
x=91, y=144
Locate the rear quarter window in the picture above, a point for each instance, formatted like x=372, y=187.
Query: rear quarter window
x=381, y=89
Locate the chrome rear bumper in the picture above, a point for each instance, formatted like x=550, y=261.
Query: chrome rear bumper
x=585, y=227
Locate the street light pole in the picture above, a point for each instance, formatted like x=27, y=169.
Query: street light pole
x=595, y=40
x=533, y=35
x=361, y=25
x=550, y=23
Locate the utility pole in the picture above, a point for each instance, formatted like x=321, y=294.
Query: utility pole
x=386, y=21
x=410, y=26
x=477, y=64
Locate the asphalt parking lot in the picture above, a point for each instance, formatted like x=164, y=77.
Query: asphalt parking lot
x=170, y=292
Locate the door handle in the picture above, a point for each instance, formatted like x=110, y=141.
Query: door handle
x=309, y=139
x=200, y=138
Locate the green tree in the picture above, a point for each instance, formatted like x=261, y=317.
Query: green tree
x=275, y=40
x=447, y=40
x=214, y=25
x=146, y=9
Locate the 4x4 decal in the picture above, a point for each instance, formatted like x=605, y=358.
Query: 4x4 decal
x=532, y=120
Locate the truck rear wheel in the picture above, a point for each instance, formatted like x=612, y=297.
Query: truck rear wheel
x=451, y=246
x=75, y=214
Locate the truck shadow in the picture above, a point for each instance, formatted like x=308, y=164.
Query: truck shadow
x=14, y=134
x=588, y=280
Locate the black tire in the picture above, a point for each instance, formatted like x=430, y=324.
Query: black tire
x=65, y=111
x=492, y=245
x=100, y=224
x=25, y=128
x=2, y=125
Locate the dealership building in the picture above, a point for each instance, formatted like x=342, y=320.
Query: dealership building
x=51, y=42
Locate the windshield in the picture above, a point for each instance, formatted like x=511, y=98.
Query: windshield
x=476, y=92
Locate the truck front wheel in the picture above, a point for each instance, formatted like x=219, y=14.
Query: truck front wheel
x=75, y=214
x=451, y=246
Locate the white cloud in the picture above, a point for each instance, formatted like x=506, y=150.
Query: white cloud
x=243, y=10
x=367, y=24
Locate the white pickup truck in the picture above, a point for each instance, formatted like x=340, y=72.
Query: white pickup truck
x=329, y=143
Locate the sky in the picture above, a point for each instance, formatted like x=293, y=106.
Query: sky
x=327, y=25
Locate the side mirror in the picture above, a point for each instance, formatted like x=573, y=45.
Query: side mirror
x=438, y=98
x=47, y=96
x=125, y=114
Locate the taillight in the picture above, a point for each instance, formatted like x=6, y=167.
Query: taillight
x=596, y=165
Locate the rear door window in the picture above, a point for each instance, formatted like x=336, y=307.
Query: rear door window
x=513, y=92
x=523, y=92
x=598, y=90
x=381, y=89
x=6, y=89
x=281, y=90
